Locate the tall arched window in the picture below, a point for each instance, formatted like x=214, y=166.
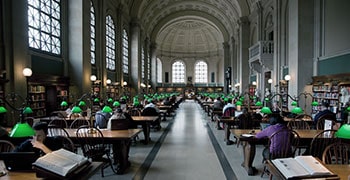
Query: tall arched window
x=201, y=72
x=110, y=43
x=44, y=25
x=148, y=66
x=178, y=72
x=159, y=71
x=125, y=52
x=143, y=63
x=92, y=34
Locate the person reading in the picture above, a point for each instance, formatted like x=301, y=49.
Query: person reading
x=40, y=144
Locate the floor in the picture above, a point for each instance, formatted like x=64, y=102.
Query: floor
x=187, y=147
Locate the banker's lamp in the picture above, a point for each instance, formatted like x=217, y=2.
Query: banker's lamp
x=258, y=103
x=344, y=130
x=297, y=110
x=107, y=109
x=266, y=110
x=22, y=128
x=64, y=104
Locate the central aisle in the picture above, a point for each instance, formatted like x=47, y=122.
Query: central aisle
x=187, y=152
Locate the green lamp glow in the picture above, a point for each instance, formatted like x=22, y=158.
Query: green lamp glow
x=314, y=103
x=267, y=99
x=110, y=100
x=239, y=103
x=3, y=109
x=64, y=103
x=266, y=110
x=297, y=110
x=294, y=103
x=22, y=130
x=116, y=103
x=343, y=131
x=348, y=109
x=258, y=103
x=76, y=109
x=107, y=109
x=82, y=103
x=27, y=110
x=96, y=100
x=136, y=103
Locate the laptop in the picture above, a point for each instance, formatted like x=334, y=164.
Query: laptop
x=18, y=161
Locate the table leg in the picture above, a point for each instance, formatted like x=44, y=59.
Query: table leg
x=249, y=150
x=227, y=134
x=121, y=155
x=146, y=132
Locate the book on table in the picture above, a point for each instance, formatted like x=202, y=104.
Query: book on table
x=61, y=162
x=301, y=166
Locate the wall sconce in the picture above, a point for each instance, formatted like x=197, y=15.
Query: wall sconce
x=108, y=81
x=237, y=84
x=93, y=78
x=254, y=83
x=149, y=86
x=269, y=81
x=125, y=83
x=143, y=85
x=287, y=77
x=27, y=72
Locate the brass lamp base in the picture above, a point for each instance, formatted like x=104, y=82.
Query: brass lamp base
x=92, y=131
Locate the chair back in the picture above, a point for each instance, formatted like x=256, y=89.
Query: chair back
x=149, y=111
x=229, y=112
x=283, y=143
x=320, y=141
x=79, y=122
x=6, y=146
x=336, y=153
x=298, y=124
x=30, y=120
x=134, y=112
x=322, y=119
x=305, y=117
x=245, y=121
x=59, y=122
x=92, y=144
x=54, y=130
x=67, y=143
x=119, y=124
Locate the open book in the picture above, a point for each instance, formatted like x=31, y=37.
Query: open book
x=61, y=162
x=301, y=166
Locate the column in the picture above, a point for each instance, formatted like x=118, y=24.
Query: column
x=135, y=56
x=153, y=48
x=244, y=34
x=227, y=64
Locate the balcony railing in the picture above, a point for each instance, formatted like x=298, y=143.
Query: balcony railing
x=262, y=51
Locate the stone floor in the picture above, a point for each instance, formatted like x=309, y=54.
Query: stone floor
x=188, y=147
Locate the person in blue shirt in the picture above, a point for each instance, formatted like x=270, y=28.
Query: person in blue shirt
x=325, y=110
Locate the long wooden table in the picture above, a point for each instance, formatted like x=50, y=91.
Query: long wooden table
x=31, y=175
x=249, y=144
x=120, y=139
x=145, y=122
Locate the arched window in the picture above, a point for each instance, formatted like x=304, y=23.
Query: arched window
x=178, y=72
x=125, y=52
x=159, y=71
x=201, y=72
x=110, y=43
x=148, y=66
x=92, y=34
x=143, y=63
x=44, y=25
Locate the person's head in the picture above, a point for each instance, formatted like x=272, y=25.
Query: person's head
x=276, y=118
x=325, y=104
x=40, y=129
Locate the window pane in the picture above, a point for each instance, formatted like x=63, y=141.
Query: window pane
x=201, y=72
x=178, y=72
x=110, y=45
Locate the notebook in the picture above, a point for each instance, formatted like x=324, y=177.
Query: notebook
x=18, y=161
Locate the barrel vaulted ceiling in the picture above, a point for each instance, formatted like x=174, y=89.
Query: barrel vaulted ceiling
x=190, y=26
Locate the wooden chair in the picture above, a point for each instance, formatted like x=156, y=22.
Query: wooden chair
x=59, y=122
x=135, y=112
x=67, y=143
x=30, y=120
x=298, y=124
x=322, y=119
x=79, y=122
x=321, y=141
x=304, y=117
x=54, y=130
x=94, y=148
x=6, y=146
x=336, y=153
x=285, y=142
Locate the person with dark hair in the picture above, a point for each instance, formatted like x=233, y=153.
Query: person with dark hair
x=101, y=118
x=40, y=143
x=325, y=110
x=276, y=124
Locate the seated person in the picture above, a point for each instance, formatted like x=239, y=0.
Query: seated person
x=101, y=119
x=40, y=144
x=118, y=115
x=325, y=110
x=218, y=104
x=276, y=123
x=245, y=120
x=228, y=105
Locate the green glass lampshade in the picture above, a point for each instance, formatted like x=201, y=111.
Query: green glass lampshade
x=266, y=110
x=22, y=130
x=76, y=109
x=258, y=103
x=239, y=103
x=107, y=109
x=136, y=103
x=3, y=109
x=64, y=103
x=110, y=100
x=314, y=103
x=348, y=109
x=96, y=100
x=241, y=98
x=116, y=104
x=297, y=110
x=82, y=103
x=294, y=103
x=27, y=110
x=225, y=99
x=267, y=99
x=343, y=131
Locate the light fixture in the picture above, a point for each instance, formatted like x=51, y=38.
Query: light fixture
x=269, y=81
x=27, y=72
x=294, y=103
x=108, y=81
x=82, y=103
x=116, y=104
x=258, y=103
x=297, y=110
x=149, y=86
x=266, y=110
x=64, y=103
x=237, y=84
x=143, y=85
x=314, y=103
x=125, y=83
x=343, y=131
x=93, y=78
x=254, y=83
x=107, y=109
x=3, y=109
x=287, y=77
x=76, y=109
